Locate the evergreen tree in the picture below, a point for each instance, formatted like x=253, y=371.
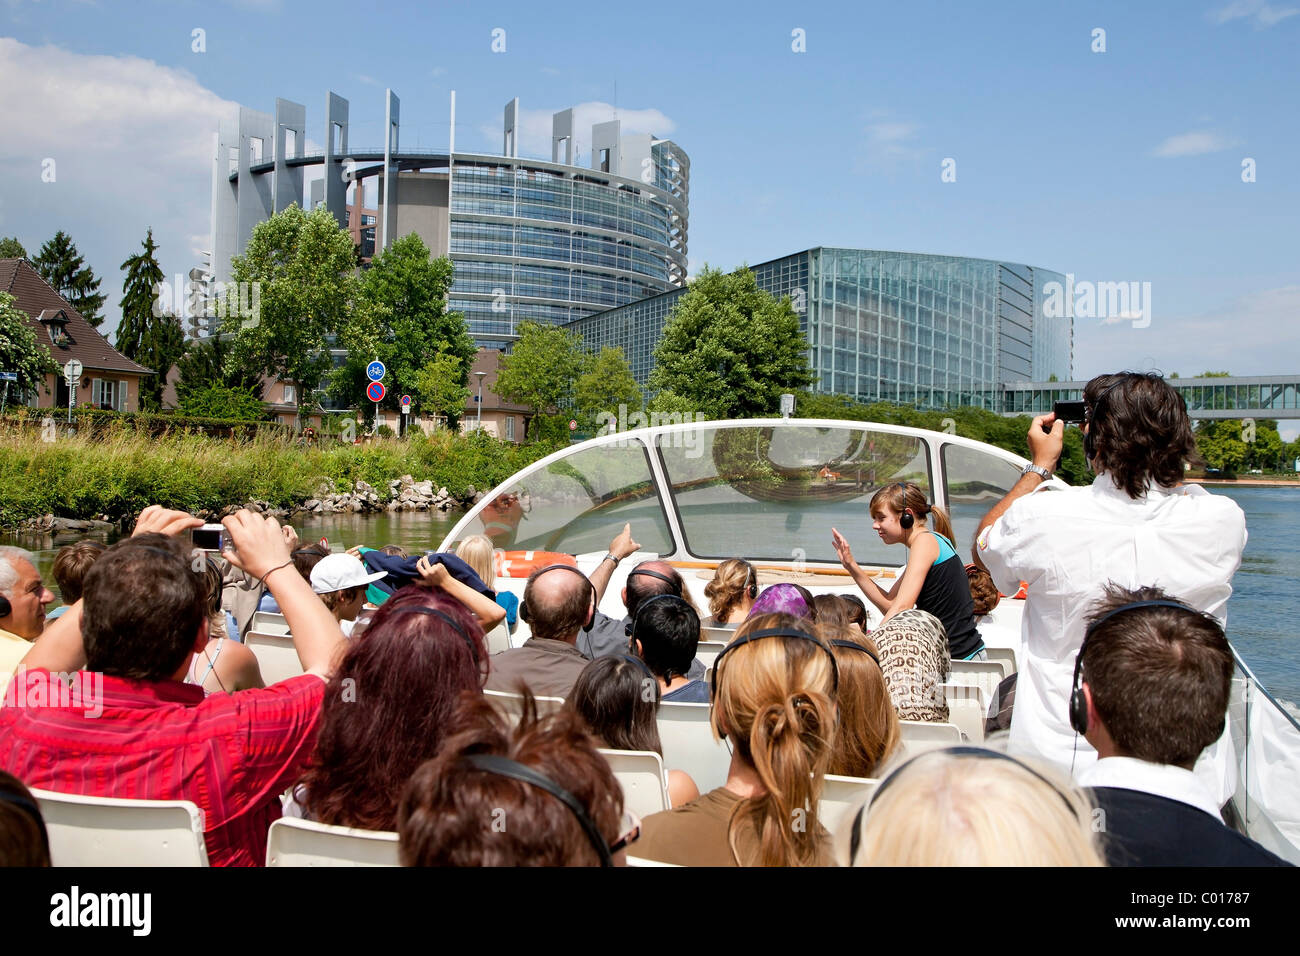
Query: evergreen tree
x=206, y=364
x=163, y=344
x=11, y=248
x=63, y=267
x=730, y=349
x=139, y=298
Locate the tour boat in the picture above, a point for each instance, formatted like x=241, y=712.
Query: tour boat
x=770, y=490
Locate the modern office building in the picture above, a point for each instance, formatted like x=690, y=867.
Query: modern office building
x=924, y=330
x=530, y=239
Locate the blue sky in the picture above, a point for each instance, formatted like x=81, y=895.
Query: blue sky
x=1123, y=165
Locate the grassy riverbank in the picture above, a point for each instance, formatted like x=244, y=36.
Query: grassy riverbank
x=119, y=474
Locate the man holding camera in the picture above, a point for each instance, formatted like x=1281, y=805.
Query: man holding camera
x=1136, y=525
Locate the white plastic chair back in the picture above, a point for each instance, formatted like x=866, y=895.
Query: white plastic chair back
x=721, y=635
x=1004, y=656
x=689, y=745
x=106, y=831
x=642, y=776
x=986, y=675
x=967, y=708
x=268, y=622
x=839, y=795
x=295, y=842
x=512, y=705
x=638, y=861
x=708, y=652
x=919, y=736
x=498, y=639
x=276, y=655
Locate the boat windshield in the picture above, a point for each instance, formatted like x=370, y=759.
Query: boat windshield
x=769, y=490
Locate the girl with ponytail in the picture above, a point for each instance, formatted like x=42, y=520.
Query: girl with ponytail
x=774, y=703
x=935, y=578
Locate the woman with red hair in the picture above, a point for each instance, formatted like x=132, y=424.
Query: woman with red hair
x=388, y=705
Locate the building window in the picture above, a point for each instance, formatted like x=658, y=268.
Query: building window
x=290, y=394
x=510, y=428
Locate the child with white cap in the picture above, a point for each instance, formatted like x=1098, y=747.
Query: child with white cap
x=341, y=580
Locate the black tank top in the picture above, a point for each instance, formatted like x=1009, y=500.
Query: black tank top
x=946, y=594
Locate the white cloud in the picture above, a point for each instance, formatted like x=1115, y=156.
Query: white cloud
x=1259, y=13
x=132, y=141
x=438, y=71
x=1195, y=143
x=535, y=127
x=1255, y=334
x=890, y=141
x=368, y=80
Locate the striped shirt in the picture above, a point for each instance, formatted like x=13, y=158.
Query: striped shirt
x=231, y=754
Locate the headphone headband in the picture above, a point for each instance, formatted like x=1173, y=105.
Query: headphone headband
x=421, y=609
x=630, y=630
x=1078, y=705
x=776, y=632
x=855, y=646
x=505, y=767
x=677, y=585
x=645, y=669
x=855, y=839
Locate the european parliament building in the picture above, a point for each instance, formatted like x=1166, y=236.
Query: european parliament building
x=924, y=330
x=602, y=249
x=530, y=239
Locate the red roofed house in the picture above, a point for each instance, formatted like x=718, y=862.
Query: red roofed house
x=109, y=379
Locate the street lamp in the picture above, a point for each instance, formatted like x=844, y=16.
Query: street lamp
x=480, y=399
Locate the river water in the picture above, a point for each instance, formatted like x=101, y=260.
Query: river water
x=1264, y=608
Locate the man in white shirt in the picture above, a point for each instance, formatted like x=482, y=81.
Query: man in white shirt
x=1135, y=525
x=23, y=598
x=1151, y=689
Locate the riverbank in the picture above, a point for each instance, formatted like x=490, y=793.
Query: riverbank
x=113, y=477
x=1247, y=482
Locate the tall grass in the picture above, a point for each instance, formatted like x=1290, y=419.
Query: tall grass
x=119, y=473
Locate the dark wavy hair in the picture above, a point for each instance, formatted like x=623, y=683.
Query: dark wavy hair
x=388, y=705
x=1140, y=430
x=618, y=700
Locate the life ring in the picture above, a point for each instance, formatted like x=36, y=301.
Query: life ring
x=520, y=564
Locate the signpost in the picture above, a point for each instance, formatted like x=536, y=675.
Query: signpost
x=72, y=375
x=375, y=391
x=376, y=370
x=573, y=425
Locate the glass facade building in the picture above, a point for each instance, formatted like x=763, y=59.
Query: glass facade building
x=552, y=243
x=923, y=330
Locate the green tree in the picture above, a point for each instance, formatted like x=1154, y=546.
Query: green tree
x=206, y=363
x=1220, y=443
x=163, y=345
x=438, y=388
x=220, y=401
x=731, y=348
x=19, y=350
x=11, y=248
x=65, y=269
x=401, y=319
x=303, y=268
x=605, y=384
x=139, y=298
x=540, y=372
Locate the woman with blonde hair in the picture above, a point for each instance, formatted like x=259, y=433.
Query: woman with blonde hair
x=731, y=593
x=967, y=806
x=868, y=733
x=774, y=690
x=477, y=551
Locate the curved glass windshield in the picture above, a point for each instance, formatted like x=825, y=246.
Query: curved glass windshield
x=773, y=492
x=976, y=481
x=578, y=504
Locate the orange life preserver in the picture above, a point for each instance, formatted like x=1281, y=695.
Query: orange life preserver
x=520, y=564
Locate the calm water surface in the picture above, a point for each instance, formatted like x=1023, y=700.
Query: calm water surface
x=1262, y=614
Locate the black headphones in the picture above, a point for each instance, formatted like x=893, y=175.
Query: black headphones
x=421, y=609
x=775, y=632
x=675, y=582
x=1078, y=702
x=523, y=606
x=750, y=589
x=855, y=646
x=979, y=752
x=504, y=767
x=1090, y=412
x=906, y=519
x=630, y=627
x=5, y=607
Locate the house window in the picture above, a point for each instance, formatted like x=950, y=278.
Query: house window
x=510, y=428
x=104, y=392
x=290, y=394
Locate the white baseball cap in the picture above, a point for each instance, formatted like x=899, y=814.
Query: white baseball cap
x=335, y=572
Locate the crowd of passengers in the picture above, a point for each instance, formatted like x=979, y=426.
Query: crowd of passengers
x=1115, y=753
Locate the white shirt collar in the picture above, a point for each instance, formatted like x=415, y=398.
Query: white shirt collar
x=1163, y=780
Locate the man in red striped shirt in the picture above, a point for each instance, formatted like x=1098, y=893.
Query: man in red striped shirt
x=129, y=727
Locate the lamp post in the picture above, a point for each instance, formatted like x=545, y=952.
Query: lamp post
x=480, y=399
